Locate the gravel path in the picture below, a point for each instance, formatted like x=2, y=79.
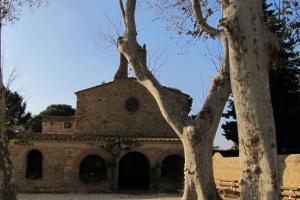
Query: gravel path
x=96, y=197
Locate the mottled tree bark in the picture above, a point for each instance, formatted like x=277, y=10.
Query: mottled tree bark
x=250, y=45
x=197, y=135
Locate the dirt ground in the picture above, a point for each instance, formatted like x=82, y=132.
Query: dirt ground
x=101, y=197
x=97, y=197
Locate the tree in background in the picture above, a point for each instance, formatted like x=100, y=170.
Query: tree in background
x=10, y=11
x=52, y=110
x=284, y=80
x=16, y=116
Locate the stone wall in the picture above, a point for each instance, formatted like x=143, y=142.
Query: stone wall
x=56, y=124
x=61, y=160
x=227, y=168
x=102, y=110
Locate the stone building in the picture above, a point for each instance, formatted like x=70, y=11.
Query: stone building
x=117, y=140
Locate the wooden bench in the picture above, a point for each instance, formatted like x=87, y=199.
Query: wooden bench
x=232, y=188
x=228, y=187
x=292, y=193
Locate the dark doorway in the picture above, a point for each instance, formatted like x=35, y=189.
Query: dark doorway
x=134, y=172
x=34, y=168
x=172, y=172
x=92, y=169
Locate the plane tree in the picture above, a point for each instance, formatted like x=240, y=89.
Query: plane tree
x=197, y=134
x=247, y=44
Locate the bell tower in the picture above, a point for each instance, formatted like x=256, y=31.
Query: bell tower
x=122, y=72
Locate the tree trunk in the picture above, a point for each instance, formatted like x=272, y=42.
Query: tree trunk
x=249, y=49
x=198, y=170
x=197, y=135
x=7, y=180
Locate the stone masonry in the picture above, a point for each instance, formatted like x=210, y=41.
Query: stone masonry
x=117, y=127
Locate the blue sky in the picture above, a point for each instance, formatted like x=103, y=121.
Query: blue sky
x=55, y=53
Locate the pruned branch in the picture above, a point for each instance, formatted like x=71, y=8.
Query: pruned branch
x=130, y=20
x=122, y=11
x=136, y=56
x=201, y=21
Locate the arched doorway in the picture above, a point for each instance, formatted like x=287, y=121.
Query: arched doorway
x=134, y=171
x=34, y=167
x=92, y=169
x=172, y=172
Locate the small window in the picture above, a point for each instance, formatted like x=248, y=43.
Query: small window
x=51, y=123
x=67, y=125
x=132, y=104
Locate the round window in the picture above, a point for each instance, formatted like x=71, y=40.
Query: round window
x=132, y=104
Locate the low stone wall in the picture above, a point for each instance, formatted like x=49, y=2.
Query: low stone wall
x=227, y=168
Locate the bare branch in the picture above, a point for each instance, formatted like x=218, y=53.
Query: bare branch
x=156, y=62
x=107, y=38
x=201, y=21
x=136, y=56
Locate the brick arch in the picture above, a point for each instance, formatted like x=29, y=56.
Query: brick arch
x=91, y=151
x=171, y=154
x=31, y=149
x=144, y=153
x=137, y=150
x=165, y=154
x=28, y=150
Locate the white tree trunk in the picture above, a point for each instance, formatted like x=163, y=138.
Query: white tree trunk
x=198, y=171
x=250, y=43
x=196, y=135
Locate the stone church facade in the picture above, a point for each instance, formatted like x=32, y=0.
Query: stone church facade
x=117, y=140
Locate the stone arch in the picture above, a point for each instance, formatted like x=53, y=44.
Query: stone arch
x=172, y=172
x=34, y=165
x=92, y=169
x=134, y=172
x=89, y=151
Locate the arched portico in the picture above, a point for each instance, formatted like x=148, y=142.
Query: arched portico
x=92, y=169
x=134, y=169
x=172, y=172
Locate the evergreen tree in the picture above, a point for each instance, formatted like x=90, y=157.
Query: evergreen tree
x=52, y=110
x=284, y=80
x=16, y=115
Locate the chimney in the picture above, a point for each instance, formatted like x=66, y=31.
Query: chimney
x=122, y=72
